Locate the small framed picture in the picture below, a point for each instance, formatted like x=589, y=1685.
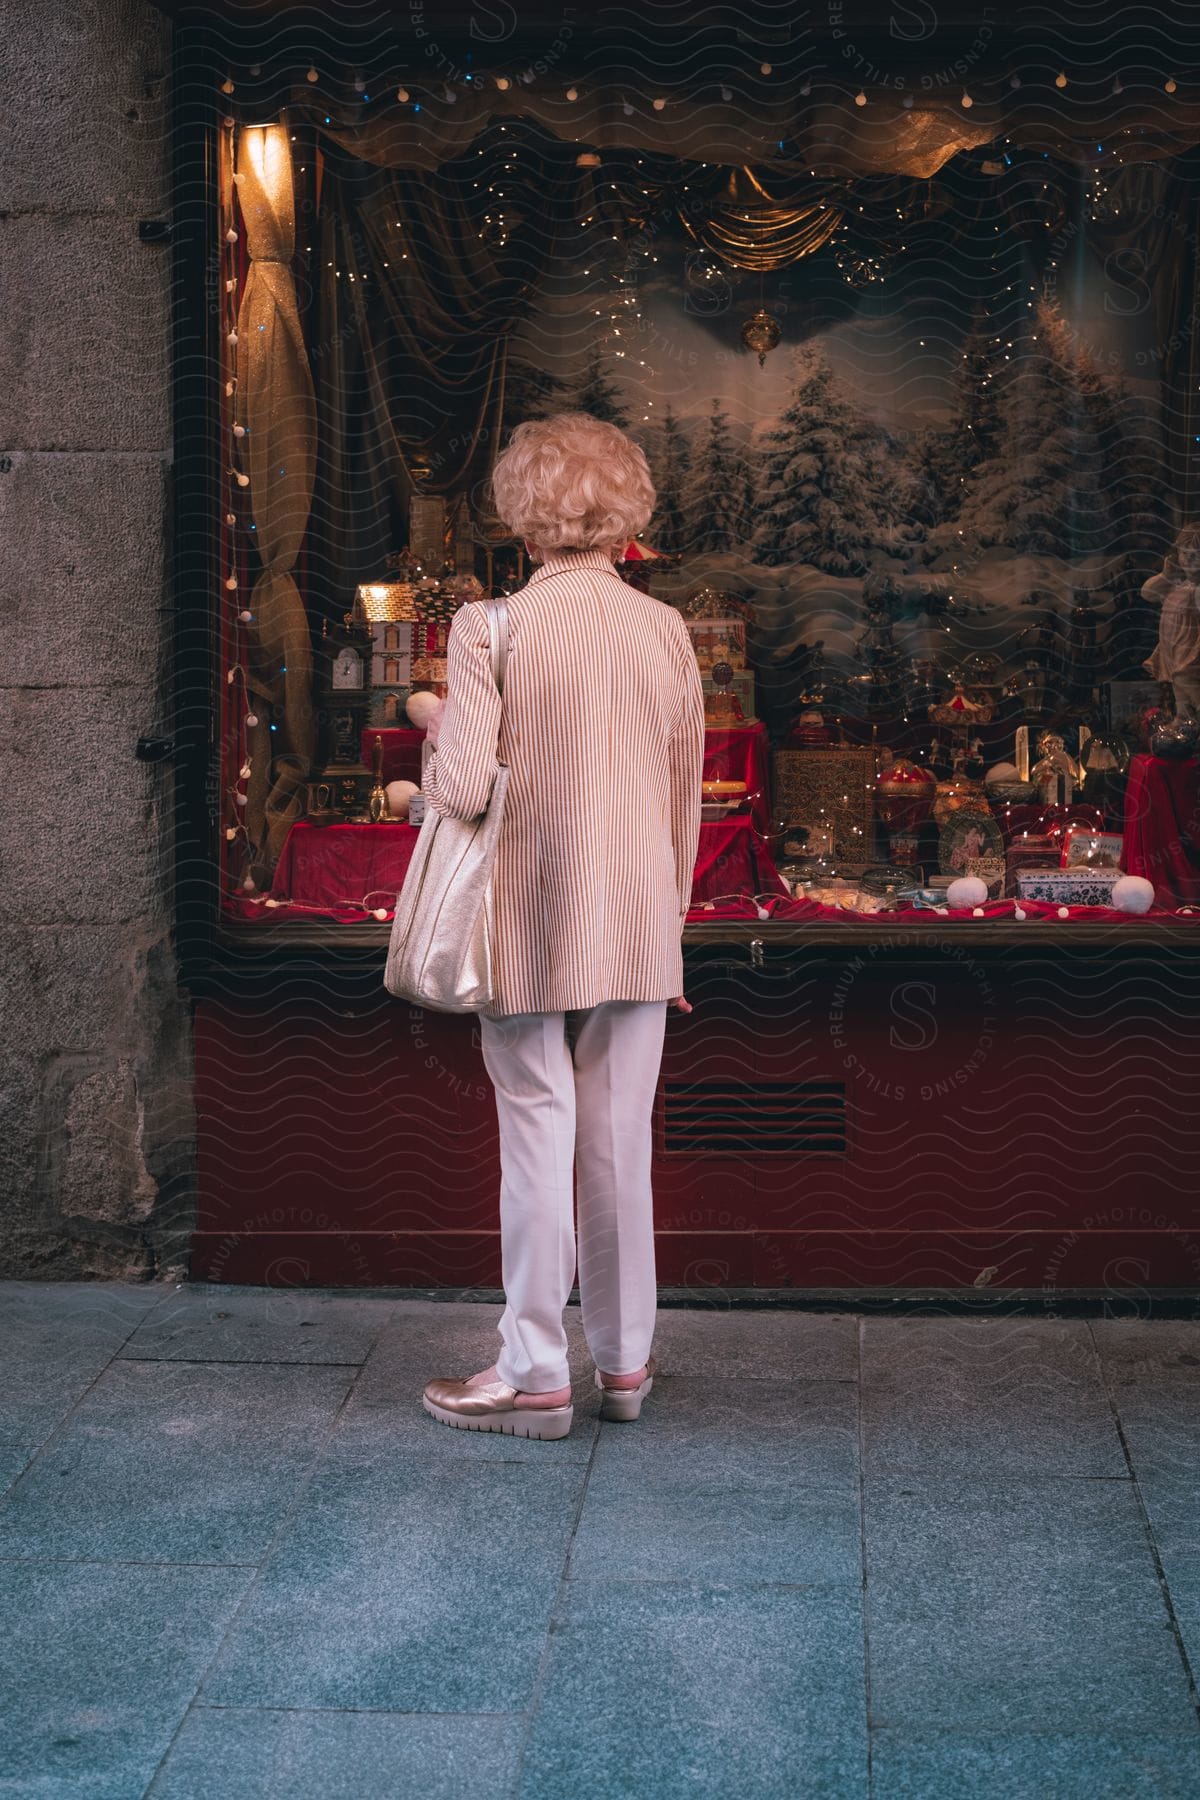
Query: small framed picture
x=1084, y=849
x=967, y=835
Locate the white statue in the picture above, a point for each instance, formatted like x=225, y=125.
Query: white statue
x=1177, y=656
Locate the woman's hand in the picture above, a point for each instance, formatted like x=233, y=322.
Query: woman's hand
x=681, y=1004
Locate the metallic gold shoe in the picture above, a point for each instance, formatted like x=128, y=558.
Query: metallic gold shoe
x=491, y=1406
x=625, y=1403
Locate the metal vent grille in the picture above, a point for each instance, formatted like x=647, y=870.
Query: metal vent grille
x=754, y=1118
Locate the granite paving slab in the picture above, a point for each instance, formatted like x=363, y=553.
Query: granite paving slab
x=257, y=1754
x=1034, y=1605
x=680, y=1691
x=750, y=1345
x=13, y=1458
x=1131, y=1349
x=55, y=1338
x=406, y=1584
x=1016, y=1765
x=1160, y=1420
x=174, y=1462
x=722, y=1480
x=217, y=1323
x=97, y=1667
x=1014, y=1397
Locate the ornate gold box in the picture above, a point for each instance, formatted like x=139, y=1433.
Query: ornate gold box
x=834, y=788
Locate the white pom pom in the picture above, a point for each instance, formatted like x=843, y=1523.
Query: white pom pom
x=399, y=794
x=380, y=912
x=968, y=890
x=1019, y=912
x=1064, y=912
x=1133, y=894
x=978, y=913
x=421, y=707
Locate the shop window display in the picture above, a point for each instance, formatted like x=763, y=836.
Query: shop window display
x=924, y=530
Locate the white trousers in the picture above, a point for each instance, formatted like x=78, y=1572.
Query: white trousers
x=575, y=1088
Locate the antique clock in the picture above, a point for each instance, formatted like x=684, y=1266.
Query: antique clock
x=341, y=786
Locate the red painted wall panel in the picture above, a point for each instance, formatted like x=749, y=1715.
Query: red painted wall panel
x=1010, y=1122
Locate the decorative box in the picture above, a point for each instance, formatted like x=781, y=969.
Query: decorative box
x=990, y=870
x=1068, y=887
x=832, y=789
x=742, y=685
x=718, y=641
x=1084, y=849
x=1028, y=852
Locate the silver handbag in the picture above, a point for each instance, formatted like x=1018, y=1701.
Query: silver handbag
x=440, y=954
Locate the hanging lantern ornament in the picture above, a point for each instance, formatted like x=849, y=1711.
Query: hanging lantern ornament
x=761, y=333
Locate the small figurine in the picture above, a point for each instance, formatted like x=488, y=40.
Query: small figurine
x=1176, y=656
x=974, y=761
x=1056, y=772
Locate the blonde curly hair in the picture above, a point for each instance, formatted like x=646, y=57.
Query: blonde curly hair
x=573, y=482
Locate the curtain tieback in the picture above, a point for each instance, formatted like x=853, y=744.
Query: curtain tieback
x=285, y=260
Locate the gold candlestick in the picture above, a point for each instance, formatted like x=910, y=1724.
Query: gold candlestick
x=377, y=803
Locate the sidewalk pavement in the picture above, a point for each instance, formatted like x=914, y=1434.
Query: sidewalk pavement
x=837, y=1556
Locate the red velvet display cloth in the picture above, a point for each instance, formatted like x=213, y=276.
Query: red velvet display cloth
x=1162, y=827
x=401, y=752
x=742, y=753
x=732, y=861
x=349, y=871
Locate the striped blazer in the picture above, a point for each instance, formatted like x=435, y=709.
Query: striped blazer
x=602, y=729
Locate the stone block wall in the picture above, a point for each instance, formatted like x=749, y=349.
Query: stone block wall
x=96, y=1132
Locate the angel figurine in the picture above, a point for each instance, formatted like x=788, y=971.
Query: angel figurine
x=1176, y=656
x=1056, y=773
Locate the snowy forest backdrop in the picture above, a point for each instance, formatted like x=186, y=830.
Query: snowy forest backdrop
x=984, y=503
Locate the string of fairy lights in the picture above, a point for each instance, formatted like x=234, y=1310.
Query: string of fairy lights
x=234, y=432
x=447, y=91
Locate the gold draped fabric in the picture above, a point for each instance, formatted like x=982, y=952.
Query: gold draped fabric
x=753, y=229
x=275, y=404
x=823, y=129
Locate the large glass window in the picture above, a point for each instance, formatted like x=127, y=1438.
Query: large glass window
x=915, y=374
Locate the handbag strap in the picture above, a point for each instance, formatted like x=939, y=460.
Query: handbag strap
x=497, y=618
